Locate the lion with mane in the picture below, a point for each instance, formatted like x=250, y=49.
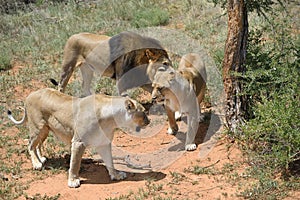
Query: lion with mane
x=113, y=57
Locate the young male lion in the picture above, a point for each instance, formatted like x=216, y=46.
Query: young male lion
x=113, y=57
x=81, y=122
x=183, y=91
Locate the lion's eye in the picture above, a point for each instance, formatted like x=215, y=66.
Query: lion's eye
x=165, y=63
x=160, y=89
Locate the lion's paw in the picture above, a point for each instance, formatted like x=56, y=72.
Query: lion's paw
x=170, y=131
x=37, y=166
x=119, y=175
x=178, y=115
x=190, y=147
x=74, y=183
x=43, y=159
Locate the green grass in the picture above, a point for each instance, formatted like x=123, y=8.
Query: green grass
x=150, y=17
x=44, y=197
x=151, y=190
x=34, y=36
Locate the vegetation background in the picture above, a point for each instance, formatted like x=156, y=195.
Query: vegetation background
x=33, y=33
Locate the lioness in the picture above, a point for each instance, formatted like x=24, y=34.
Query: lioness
x=81, y=122
x=112, y=57
x=192, y=68
x=183, y=91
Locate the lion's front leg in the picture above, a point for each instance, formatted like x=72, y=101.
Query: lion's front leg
x=105, y=152
x=192, y=131
x=77, y=151
x=173, y=127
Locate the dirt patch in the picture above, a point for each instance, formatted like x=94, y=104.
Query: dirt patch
x=176, y=181
x=153, y=162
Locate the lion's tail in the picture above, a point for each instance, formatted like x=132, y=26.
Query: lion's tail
x=9, y=114
x=53, y=81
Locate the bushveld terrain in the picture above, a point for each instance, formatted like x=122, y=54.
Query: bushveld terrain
x=259, y=162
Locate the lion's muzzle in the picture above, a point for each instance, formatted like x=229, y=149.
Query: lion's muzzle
x=141, y=120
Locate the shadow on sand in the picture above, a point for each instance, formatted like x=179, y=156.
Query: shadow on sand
x=94, y=171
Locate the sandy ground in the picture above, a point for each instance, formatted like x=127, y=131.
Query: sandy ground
x=151, y=158
x=155, y=162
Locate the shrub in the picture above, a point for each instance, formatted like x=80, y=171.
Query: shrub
x=271, y=136
x=272, y=67
x=12, y=6
x=272, y=84
x=274, y=133
x=5, y=60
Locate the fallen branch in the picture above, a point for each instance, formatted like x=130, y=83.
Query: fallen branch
x=211, y=164
x=132, y=165
x=136, y=166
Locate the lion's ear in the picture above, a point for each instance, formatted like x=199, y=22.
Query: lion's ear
x=172, y=73
x=129, y=105
x=150, y=55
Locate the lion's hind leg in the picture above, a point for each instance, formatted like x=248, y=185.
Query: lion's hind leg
x=105, y=153
x=87, y=77
x=43, y=135
x=69, y=64
x=173, y=127
x=34, y=146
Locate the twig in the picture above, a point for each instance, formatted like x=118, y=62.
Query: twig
x=132, y=165
x=210, y=188
x=136, y=166
x=211, y=164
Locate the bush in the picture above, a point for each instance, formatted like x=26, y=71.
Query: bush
x=274, y=133
x=5, y=60
x=272, y=66
x=272, y=85
x=12, y=6
x=271, y=137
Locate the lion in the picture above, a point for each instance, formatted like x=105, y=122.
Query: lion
x=192, y=68
x=79, y=122
x=183, y=90
x=113, y=57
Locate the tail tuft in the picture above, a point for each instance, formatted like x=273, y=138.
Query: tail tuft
x=53, y=81
x=9, y=114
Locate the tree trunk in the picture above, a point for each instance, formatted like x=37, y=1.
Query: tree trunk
x=233, y=63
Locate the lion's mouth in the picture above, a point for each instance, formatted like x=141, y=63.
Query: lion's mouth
x=139, y=128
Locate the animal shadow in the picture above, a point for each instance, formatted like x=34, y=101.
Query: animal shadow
x=206, y=130
x=93, y=171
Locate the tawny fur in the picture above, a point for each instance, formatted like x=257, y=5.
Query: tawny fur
x=183, y=90
x=112, y=57
x=80, y=122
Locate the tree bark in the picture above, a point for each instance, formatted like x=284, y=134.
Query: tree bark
x=233, y=63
